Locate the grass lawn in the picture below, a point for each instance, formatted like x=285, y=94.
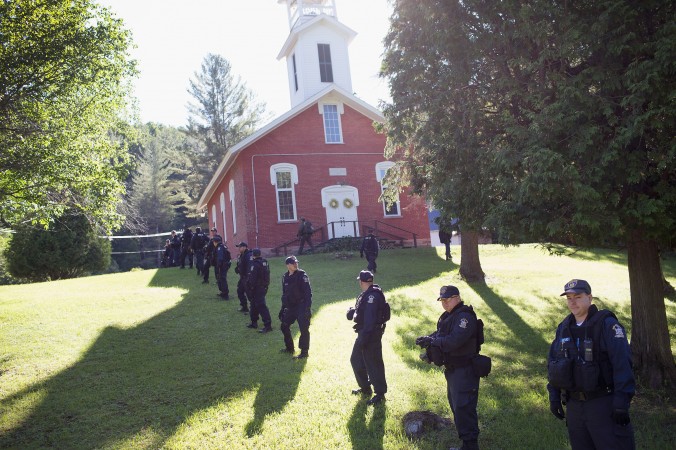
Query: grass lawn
x=154, y=359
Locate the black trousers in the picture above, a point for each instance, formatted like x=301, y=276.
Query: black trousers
x=367, y=364
x=300, y=313
x=463, y=395
x=303, y=239
x=591, y=427
x=259, y=307
x=371, y=258
x=222, y=278
x=241, y=292
x=199, y=260
x=186, y=252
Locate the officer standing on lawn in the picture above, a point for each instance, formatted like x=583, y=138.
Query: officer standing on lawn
x=589, y=368
x=222, y=265
x=210, y=256
x=456, y=344
x=242, y=269
x=367, y=352
x=370, y=248
x=198, y=244
x=296, y=306
x=257, y=283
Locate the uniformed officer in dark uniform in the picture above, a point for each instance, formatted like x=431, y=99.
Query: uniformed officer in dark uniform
x=589, y=368
x=257, y=287
x=222, y=265
x=367, y=353
x=186, y=250
x=210, y=256
x=296, y=306
x=242, y=269
x=198, y=244
x=175, y=247
x=370, y=247
x=456, y=339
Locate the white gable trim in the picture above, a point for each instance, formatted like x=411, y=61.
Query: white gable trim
x=336, y=94
x=293, y=35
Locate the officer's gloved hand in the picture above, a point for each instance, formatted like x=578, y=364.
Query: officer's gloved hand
x=424, y=341
x=621, y=417
x=350, y=313
x=557, y=409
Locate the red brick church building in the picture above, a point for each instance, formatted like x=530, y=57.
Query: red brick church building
x=322, y=160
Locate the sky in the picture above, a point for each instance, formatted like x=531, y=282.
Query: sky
x=172, y=37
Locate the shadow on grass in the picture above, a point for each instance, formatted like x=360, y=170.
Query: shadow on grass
x=367, y=436
x=134, y=387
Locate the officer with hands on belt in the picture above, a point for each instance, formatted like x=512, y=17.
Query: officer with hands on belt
x=455, y=343
x=296, y=304
x=367, y=352
x=589, y=369
x=257, y=283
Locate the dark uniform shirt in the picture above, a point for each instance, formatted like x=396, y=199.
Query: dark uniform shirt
x=243, y=261
x=456, y=334
x=612, y=353
x=259, y=275
x=366, y=315
x=370, y=245
x=296, y=290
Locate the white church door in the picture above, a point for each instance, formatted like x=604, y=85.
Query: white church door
x=340, y=203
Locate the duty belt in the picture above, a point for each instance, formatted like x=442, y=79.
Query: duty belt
x=584, y=396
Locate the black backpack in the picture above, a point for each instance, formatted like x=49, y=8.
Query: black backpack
x=266, y=273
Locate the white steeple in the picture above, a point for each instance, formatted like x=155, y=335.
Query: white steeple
x=316, y=49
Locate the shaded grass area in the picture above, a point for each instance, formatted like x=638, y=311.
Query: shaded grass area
x=154, y=359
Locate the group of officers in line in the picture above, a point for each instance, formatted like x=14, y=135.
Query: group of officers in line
x=589, y=361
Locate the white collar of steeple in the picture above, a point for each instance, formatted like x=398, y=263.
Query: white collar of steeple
x=348, y=32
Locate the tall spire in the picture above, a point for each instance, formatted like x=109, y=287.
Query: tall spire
x=316, y=49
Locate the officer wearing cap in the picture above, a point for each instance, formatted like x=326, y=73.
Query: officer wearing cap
x=222, y=256
x=456, y=341
x=210, y=256
x=257, y=283
x=370, y=248
x=296, y=306
x=242, y=269
x=589, y=371
x=367, y=352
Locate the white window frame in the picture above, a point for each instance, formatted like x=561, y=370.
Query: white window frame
x=231, y=190
x=339, y=112
x=223, y=211
x=381, y=171
x=285, y=167
x=213, y=216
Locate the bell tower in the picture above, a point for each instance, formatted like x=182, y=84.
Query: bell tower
x=316, y=49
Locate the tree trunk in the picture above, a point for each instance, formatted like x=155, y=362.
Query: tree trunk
x=470, y=265
x=650, y=346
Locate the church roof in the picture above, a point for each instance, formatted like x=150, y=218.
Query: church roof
x=333, y=91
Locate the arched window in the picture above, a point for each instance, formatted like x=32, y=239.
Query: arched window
x=284, y=177
x=213, y=216
x=231, y=188
x=391, y=210
x=223, y=211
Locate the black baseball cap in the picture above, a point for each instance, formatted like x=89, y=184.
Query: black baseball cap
x=218, y=239
x=576, y=287
x=448, y=292
x=291, y=260
x=242, y=244
x=365, y=275
x=256, y=252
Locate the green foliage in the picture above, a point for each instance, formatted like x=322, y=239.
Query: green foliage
x=71, y=248
x=225, y=112
x=65, y=67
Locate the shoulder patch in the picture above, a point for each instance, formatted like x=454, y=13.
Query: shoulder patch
x=306, y=279
x=370, y=299
x=463, y=323
x=619, y=332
